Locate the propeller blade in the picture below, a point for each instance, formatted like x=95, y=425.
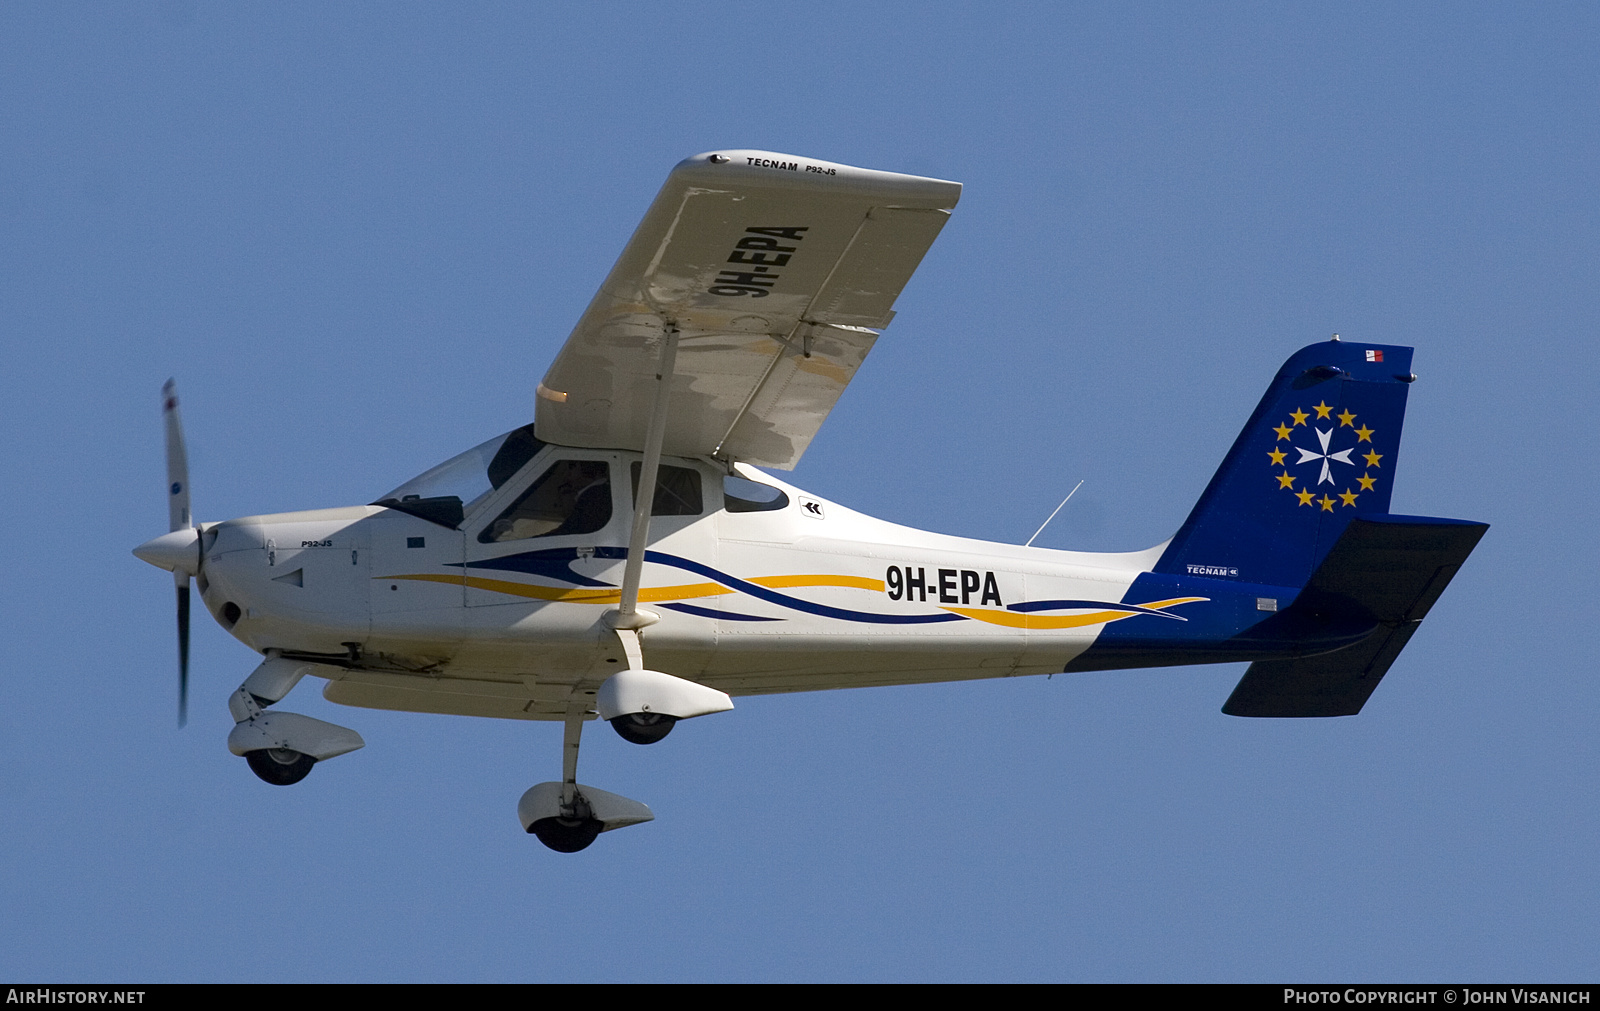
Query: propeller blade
x=178, y=518
x=183, y=649
x=177, y=460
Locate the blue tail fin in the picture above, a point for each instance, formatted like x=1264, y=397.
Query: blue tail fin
x=1319, y=450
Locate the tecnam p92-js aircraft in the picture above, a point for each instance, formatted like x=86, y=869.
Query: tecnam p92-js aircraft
x=622, y=556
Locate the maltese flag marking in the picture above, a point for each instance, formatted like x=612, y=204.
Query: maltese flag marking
x=1374, y=355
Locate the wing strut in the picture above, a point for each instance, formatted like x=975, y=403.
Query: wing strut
x=627, y=615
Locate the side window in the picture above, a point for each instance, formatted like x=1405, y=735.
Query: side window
x=677, y=491
x=572, y=497
x=742, y=496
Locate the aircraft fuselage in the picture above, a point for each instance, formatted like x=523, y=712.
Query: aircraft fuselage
x=411, y=614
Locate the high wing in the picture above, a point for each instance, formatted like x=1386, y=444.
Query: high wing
x=777, y=272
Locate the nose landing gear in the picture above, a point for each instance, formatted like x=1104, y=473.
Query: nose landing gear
x=282, y=747
x=280, y=766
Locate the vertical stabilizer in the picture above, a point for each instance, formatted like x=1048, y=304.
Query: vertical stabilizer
x=1319, y=450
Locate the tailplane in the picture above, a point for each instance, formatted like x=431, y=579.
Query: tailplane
x=1384, y=570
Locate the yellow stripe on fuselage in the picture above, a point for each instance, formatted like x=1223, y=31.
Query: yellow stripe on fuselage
x=1008, y=619
x=787, y=582
x=1013, y=619
x=652, y=593
x=569, y=596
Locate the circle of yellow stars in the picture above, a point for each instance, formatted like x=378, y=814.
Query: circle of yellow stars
x=1306, y=496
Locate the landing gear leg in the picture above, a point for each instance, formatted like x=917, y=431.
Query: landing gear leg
x=281, y=747
x=574, y=825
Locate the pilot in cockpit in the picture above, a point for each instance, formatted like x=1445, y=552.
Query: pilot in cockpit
x=572, y=497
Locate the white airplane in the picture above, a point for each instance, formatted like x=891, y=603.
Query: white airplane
x=518, y=580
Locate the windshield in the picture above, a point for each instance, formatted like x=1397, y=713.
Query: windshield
x=446, y=493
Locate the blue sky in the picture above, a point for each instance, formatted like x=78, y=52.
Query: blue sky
x=357, y=234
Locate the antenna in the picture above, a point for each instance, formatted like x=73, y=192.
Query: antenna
x=1052, y=516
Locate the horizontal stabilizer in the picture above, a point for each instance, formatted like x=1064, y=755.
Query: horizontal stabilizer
x=1332, y=684
x=1385, y=569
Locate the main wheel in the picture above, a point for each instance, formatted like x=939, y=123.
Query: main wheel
x=566, y=835
x=280, y=766
x=643, y=728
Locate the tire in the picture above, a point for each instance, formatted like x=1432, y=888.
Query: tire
x=566, y=835
x=280, y=766
x=643, y=728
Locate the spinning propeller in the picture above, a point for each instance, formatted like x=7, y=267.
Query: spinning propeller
x=179, y=549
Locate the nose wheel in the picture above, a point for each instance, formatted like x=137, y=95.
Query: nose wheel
x=280, y=766
x=281, y=747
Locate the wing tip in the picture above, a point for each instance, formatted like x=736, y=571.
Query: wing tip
x=773, y=168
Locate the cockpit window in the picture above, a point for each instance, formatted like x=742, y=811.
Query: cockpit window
x=572, y=497
x=677, y=491
x=446, y=493
x=519, y=447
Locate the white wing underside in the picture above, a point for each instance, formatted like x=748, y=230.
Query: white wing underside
x=777, y=272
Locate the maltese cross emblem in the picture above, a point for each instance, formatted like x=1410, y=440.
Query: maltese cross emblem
x=1306, y=486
